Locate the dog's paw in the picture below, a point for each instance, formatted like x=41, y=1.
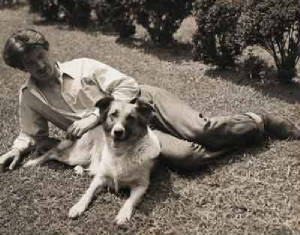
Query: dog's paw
x=77, y=210
x=78, y=170
x=31, y=163
x=124, y=215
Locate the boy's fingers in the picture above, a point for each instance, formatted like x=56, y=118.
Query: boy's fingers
x=70, y=129
x=76, y=132
x=14, y=162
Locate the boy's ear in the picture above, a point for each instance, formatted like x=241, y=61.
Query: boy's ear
x=103, y=106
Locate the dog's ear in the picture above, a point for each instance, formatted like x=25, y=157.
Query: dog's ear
x=145, y=109
x=134, y=100
x=103, y=106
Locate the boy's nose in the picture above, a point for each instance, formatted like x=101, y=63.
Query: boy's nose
x=40, y=65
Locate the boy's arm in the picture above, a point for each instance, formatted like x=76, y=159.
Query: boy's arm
x=79, y=127
x=33, y=129
x=102, y=80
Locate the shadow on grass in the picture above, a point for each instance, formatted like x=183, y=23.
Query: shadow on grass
x=160, y=190
x=223, y=160
x=268, y=86
x=173, y=52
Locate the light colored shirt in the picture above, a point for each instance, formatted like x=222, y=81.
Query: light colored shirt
x=83, y=82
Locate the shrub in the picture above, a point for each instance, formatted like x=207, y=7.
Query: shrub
x=49, y=9
x=35, y=6
x=253, y=65
x=274, y=25
x=119, y=13
x=75, y=12
x=162, y=18
x=81, y=12
x=8, y=2
x=216, y=40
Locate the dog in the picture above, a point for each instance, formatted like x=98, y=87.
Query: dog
x=129, y=152
x=123, y=152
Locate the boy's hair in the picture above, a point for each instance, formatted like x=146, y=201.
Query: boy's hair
x=17, y=44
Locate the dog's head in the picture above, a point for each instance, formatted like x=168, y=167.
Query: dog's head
x=125, y=120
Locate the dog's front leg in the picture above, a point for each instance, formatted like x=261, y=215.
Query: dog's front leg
x=126, y=211
x=80, y=207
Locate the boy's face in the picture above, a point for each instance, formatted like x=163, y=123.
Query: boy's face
x=38, y=63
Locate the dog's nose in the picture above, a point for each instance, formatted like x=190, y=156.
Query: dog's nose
x=118, y=132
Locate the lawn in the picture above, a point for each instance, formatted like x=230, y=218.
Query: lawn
x=252, y=192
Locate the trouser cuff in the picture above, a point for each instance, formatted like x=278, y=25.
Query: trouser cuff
x=258, y=120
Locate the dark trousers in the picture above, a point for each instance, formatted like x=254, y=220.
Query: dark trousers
x=189, y=139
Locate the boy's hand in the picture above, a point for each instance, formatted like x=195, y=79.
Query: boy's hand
x=78, y=128
x=12, y=158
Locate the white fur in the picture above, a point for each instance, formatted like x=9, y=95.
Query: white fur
x=122, y=165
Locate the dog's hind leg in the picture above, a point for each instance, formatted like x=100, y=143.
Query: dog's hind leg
x=126, y=211
x=56, y=153
x=41, y=160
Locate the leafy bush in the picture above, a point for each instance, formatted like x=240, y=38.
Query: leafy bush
x=35, y=6
x=49, y=9
x=274, y=25
x=8, y=3
x=119, y=13
x=162, y=18
x=254, y=66
x=216, y=40
x=75, y=12
x=82, y=12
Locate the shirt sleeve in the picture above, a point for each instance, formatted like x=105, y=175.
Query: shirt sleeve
x=110, y=81
x=33, y=127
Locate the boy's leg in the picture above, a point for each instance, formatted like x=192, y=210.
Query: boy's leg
x=179, y=119
x=184, y=154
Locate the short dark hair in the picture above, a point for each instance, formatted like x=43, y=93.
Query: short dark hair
x=17, y=44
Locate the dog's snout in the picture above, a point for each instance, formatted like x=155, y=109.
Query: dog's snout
x=118, y=132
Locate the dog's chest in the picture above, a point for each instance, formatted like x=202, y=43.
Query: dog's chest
x=128, y=169
x=132, y=165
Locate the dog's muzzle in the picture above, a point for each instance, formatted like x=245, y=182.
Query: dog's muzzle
x=118, y=132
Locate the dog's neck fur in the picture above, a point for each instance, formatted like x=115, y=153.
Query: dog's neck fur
x=137, y=150
x=122, y=160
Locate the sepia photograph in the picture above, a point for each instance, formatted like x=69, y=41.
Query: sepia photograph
x=175, y=117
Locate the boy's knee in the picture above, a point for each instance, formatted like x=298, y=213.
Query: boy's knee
x=190, y=157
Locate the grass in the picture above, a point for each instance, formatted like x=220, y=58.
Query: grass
x=251, y=192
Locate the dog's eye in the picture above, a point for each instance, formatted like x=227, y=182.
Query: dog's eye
x=114, y=114
x=130, y=117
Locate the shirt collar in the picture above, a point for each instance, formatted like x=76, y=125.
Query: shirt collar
x=62, y=72
x=30, y=84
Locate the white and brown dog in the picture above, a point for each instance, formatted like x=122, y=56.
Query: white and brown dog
x=127, y=158
x=127, y=153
